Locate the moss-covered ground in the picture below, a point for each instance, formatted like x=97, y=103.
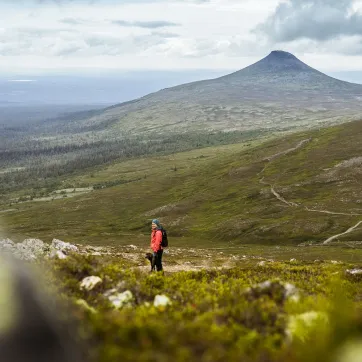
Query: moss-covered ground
x=215, y=314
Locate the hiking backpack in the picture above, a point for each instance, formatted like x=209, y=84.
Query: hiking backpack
x=164, y=242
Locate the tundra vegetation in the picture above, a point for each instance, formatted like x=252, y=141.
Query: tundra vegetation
x=264, y=265
x=264, y=224
x=249, y=310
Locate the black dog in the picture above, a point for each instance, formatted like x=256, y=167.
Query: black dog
x=152, y=260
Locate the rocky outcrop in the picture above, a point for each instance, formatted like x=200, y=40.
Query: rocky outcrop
x=33, y=249
x=29, y=249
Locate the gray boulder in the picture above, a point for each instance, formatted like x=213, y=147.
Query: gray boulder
x=29, y=249
x=63, y=246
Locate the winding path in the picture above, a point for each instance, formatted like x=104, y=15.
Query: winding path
x=273, y=157
x=293, y=204
x=282, y=199
x=283, y=153
x=346, y=232
x=330, y=212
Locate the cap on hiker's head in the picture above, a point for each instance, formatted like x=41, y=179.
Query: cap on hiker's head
x=157, y=222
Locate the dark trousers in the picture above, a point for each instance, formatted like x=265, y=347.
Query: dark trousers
x=158, y=260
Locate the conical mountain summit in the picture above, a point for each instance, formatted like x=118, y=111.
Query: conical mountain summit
x=276, y=93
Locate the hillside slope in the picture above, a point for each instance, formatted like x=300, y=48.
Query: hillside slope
x=278, y=92
x=303, y=187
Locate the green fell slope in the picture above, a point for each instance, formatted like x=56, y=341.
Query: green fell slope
x=299, y=188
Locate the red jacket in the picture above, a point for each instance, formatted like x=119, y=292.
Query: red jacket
x=156, y=240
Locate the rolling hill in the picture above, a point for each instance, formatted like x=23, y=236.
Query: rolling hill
x=299, y=188
x=279, y=92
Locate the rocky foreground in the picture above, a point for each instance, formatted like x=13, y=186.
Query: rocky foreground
x=206, y=307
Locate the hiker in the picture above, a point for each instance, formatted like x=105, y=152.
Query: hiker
x=156, y=243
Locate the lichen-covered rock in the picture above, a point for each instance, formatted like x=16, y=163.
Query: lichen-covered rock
x=121, y=300
x=89, y=283
x=29, y=249
x=35, y=246
x=63, y=246
x=335, y=262
x=355, y=273
x=302, y=326
x=57, y=254
x=291, y=292
x=276, y=289
x=162, y=301
x=7, y=245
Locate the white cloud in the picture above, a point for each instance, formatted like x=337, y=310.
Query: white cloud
x=22, y=80
x=158, y=34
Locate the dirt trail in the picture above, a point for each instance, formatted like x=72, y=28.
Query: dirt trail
x=346, y=232
x=283, y=153
x=293, y=204
x=281, y=198
x=270, y=159
x=330, y=212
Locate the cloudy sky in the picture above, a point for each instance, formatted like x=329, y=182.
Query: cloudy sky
x=47, y=35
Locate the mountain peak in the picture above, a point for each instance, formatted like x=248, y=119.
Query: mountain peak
x=278, y=62
x=281, y=55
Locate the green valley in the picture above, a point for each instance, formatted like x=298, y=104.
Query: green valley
x=300, y=188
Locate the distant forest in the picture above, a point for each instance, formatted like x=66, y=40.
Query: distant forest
x=35, y=165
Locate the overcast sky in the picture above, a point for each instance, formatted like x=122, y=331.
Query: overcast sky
x=38, y=36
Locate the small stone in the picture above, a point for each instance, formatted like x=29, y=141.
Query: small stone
x=261, y=263
x=293, y=260
x=291, y=292
x=134, y=247
x=335, y=262
x=354, y=271
x=96, y=253
x=90, y=283
x=110, y=292
x=122, y=300
x=264, y=285
x=57, y=254
x=161, y=301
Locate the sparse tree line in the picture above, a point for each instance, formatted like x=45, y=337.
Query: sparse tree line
x=44, y=165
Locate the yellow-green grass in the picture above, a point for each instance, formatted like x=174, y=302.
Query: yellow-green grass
x=236, y=314
x=211, y=196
